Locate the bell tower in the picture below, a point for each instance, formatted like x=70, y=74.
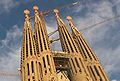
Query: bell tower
x=91, y=61
x=45, y=57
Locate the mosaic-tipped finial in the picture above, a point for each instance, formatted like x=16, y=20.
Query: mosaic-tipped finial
x=35, y=7
x=69, y=18
x=26, y=12
x=56, y=11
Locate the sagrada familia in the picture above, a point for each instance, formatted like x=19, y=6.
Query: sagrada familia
x=76, y=61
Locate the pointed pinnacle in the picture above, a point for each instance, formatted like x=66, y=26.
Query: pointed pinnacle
x=35, y=7
x=56, y=11
x=26, y=12
x=69, y=18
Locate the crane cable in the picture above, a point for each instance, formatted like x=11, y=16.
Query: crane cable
x=92, y=26
x=96, y=24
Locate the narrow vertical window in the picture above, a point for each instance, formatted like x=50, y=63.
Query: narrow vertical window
x=102, y=72
x=28, y=69
x=77, y=62
x=48, y=60
x=82, y=66
x=97, y=72
x=44, y=39
x=32, y=66
x=33, y=78
x=40, y=41
x=92, y=72
x=74, y=65
x=30, y=44
x=28, y=79
x=44, y=62
x=26, y=45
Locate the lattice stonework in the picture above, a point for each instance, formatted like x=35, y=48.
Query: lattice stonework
x=77, y=61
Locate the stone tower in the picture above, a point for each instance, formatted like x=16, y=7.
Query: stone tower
x=45, y=57
x=29, y=65
x=91, y=61
x=76, y=61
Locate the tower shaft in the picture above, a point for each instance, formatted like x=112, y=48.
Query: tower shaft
x=45, y=56
x=92, y=63
x=29, y=66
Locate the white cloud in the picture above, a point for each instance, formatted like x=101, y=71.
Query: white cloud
x=114, y=80
x=10, y=54
x=7, y=5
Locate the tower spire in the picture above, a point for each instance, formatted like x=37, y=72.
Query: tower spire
x=43, y=49
x=79, y=71
x=94, y=67
x=74, y=30
x=67, y=41
x=82, y=44
x=40, y=33
x=28, y=41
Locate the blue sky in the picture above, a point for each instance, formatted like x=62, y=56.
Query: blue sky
x=104, y=38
